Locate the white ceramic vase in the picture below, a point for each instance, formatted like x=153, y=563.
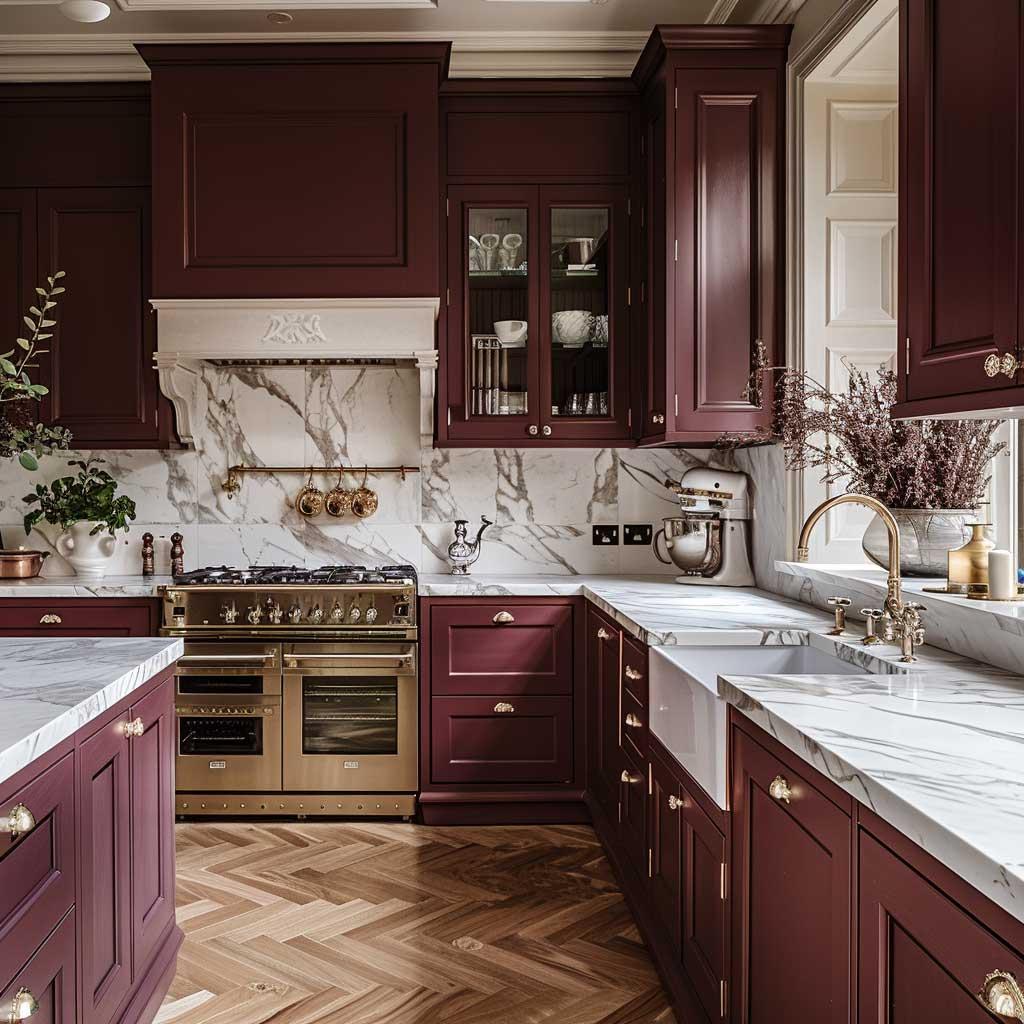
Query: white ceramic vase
x=88, y=555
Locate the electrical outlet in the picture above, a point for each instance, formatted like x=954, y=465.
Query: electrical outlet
x=637, y=533
x=606, y=535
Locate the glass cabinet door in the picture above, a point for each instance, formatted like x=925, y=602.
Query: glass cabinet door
x=585, y=277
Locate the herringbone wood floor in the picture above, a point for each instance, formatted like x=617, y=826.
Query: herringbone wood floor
x=378, y=922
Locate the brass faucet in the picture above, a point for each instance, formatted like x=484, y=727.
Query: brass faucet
x=904, y=616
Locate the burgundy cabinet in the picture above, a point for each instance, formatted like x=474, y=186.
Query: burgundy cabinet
x=792, y=891
x=86, y=616
x=711, y=186
x=922, y=956
x=355, y=215
x=37, y=870
x=666, y=850
x=17, y=259
x=604, y=665
x=633, y=818
x=960, y=194
x=49, y=976
x=104, y=794
x=634, y=714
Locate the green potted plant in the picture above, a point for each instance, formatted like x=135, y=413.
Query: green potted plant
x=88, y=510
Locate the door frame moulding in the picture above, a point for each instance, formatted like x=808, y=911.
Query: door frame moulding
x=800, y=68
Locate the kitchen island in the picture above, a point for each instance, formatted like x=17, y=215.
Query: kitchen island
x=87, y=927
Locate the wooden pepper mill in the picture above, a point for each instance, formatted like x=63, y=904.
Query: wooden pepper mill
x=177, y=555
x=148, y=555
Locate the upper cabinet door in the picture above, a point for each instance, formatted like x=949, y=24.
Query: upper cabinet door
x=728, y=275
x=959, y=231
x=100, y=368
x=17, y=260
x=584, y=316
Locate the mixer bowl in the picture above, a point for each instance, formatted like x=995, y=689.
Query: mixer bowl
x=688, y=542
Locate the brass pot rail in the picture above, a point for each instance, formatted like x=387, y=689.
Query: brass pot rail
x=233, y=483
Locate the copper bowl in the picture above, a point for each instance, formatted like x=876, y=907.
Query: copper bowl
x=21, y=564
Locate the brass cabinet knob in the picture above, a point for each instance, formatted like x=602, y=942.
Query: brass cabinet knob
x=503, y=618
x=779, y=789
x=631, y=778
x=134, y=728
x=632, y=673
x=633, y=722
x=1001, y=994
x=50, y=619
x=532, y=430
x=19, y=821
x=546, y=430
x=1007, y=364
x=674, y=803
x=502, y=708
x=603, y=634
x=658, y=417
x=23, y=1006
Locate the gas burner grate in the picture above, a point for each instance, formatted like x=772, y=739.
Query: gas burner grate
x=278, y=575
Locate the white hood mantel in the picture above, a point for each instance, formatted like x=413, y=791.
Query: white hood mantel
x=191, y=332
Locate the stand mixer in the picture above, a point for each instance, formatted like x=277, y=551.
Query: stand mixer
x=710, y=538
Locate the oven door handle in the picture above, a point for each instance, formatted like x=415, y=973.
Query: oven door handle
x=235, y=659
x=346, y=657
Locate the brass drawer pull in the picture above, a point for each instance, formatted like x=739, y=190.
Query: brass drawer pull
x=603, y=634
x=632, y=673
x=50, y=619
x=1007, y=364
x=632, y=778
x=19, y=821
x=779, y=789
x=503, y=708
x=503, y=618
x=1001, y=994
x=23, y=1006
x=633, y=722
x=674, y=803
x=134, y=728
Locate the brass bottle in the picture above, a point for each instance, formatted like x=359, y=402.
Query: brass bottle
x=968, y=565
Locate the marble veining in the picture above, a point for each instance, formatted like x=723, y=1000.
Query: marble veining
x=50, y=688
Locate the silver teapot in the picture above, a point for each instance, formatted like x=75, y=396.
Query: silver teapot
x=462, y=553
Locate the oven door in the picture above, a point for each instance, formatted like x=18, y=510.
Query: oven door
x=223, y=672
x=228, y=747
x=350, y=717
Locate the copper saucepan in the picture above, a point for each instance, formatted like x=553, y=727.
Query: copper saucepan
x=21, y=563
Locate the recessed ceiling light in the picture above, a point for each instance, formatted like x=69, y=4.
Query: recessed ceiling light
x=84, y=10
x=280, y=18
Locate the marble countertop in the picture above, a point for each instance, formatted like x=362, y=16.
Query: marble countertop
x=73, y=586
x=51, y=687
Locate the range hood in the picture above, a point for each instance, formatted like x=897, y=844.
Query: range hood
x=262, y=332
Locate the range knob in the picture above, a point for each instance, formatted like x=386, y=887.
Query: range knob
x=316, y=616
x=274, y=612
x=254, y=614
x=229, y=613
x=337, y=612
x=371, y=615
x=294, y=614
x=354, y=613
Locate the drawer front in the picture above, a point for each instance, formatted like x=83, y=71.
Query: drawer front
x=634, y=727
x=85, y=617
x=512, y=739
x=501, y=650
x=634, y=670
x=37, y=870
x=49, y=977
x=633, y=786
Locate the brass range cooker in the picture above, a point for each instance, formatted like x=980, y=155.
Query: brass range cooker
x=297, y=692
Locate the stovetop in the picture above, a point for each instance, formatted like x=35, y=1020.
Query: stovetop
x=279, y=575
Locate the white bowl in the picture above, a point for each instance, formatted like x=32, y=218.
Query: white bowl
x=511, y=333
x=572, y=328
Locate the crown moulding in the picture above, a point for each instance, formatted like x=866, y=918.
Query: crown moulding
x=113, y=57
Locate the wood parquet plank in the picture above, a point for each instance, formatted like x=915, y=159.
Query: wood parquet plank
x=394, y=923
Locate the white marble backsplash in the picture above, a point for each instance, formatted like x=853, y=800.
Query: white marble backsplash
x=543, y=501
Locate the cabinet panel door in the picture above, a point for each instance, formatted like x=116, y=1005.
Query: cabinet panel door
x=791, y=895
x=89, y=616
x=704, y=951
x=18, y=268
x=474, y=652
x=633, y=817
x=518, y=739
x=727, y=195
x=604, y=660
x=922, y=958
x=50, y=976
x=666, y=850
x=102, y=383
x=152, y=799
x=104, y=828
x=959, y=193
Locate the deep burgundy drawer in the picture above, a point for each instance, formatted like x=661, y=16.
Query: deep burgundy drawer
x=37, y=870
x=634, y=727
x=512, y=739
x=49, y=975
x=87, y=616
x=478, y=649
x=634, y=670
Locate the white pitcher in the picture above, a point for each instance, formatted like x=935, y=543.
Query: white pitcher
x=88, y=556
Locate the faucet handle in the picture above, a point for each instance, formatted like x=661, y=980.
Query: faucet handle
x=840, y=604
x=871, y=618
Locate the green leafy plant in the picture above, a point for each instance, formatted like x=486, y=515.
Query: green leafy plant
x=19, y=436
x=88, y=497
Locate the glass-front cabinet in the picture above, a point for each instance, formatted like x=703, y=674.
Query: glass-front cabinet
x=537, y=314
